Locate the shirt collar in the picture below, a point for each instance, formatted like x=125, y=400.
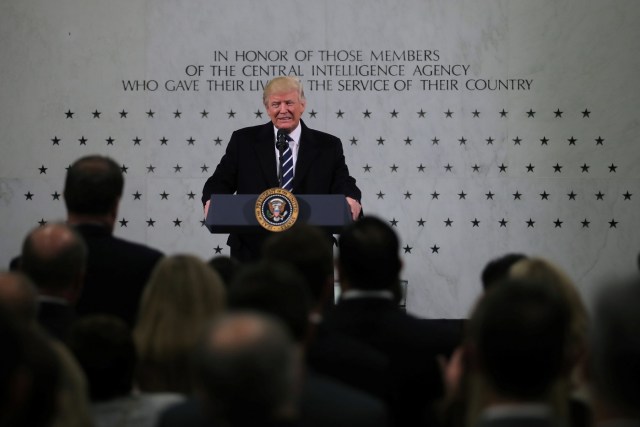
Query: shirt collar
x=294, y=135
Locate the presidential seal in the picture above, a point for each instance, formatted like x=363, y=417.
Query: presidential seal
x=276, y=209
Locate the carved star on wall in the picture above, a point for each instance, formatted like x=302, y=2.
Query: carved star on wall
x=599, y=140
x=123, y=222
x=530, y=167
x=204, y=114
x=544, y=195
x=544, y=141
x=435, y=195
x=420, y=167
x=421, y=113
x=177, y=114
x=407, y=249
x=557, y=223
x=164, y=195
x=96, y=114
x=448, y=114
x=530, y=223
x=531, y=113
x=191, y=141
x=380, y=141
x=55, y=196
x=572, y=141
x=151, y=222
x=462, y=141
x=586, y=113
x=218, y=141
x=177, y=222
x=380, y=195
x=627, y=195
x=29, y=195
x=123, y=114
x=42, y=170
x=435, y=141
x=313, y=114
x=55, y=140
x=421, y=222
x=585, y=168
x=258, y=114
x=462, y=195
x=69, y=114
x=517, y=195
x=557, y=168
x=600, y=195
x=354, y=141
x=42, y=222
x=476, y=113
x=475, y=222
x=475, y=168
x=109, y=141
x=150, y=114
x=613, y=168
x=231, y=114
x=151, y=169
x=163, y=141
x=503, y=222
x=503, y=113
x=435, y=249
x=394, y=114
x=448, y=222
x=558, y=113
x=490, y=141
x=393, y=168
x=407, y=195
x=367, y=168
x=137, y=195
x=124, y=169
x=191, y=195
x=177, y=168
x=448, y=167
x=394, y=222
x=339, y=114
x=517, y=140
x=585, y=223
x=218, y=249
x=204, y=168
x=83, y=140
x=366, y=114
x=136, y=141
x=502, y=167
x=572, y=195
x=489, y=195
x=613, y=223
x=407, y=141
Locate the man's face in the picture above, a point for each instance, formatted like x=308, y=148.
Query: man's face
x=285, y=109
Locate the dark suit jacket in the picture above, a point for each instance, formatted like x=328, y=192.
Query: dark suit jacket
x=323, y=403
x=407, y=341
x=249, y=167
x=56, y=318
x=117, y=271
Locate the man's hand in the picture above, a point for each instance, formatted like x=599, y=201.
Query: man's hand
x=206, y=208
x=353, y=205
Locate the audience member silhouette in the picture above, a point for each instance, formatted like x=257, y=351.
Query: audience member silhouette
x=614, y=354
x=309, y=250
x=104, y=348
x=249, y=370
x=517, y=347
x=54, y=257
x=182, y=294
x=369, y=268
x=226, y=267
x=117, y=269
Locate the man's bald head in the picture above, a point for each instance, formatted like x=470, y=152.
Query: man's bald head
x=54, y=257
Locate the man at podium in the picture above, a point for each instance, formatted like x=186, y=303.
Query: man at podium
x=312, y=161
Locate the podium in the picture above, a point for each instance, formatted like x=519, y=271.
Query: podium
x=235, y=213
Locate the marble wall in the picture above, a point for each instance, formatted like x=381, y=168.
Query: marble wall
x=475, y=128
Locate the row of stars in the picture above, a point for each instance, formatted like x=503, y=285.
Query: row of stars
x=502, y=223
x=516, y=196
x=544, y=141
x=380, y=195
x=502, y=168
x=96, y=114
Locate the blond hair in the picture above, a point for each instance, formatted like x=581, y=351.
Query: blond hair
x=283, y=84
x=181, y=296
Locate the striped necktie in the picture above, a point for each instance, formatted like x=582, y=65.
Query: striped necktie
x=287, y=167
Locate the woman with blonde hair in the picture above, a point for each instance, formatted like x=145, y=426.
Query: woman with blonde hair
x=182, y=294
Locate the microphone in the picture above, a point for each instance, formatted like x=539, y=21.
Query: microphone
x=281, y=142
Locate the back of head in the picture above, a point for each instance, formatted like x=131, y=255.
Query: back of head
x=309, y=250
x=182, y=293
x=54, y=257
x=615, y=348
x=93, y=185
x=518, y=335
x=283, y=84
x=226, y=267
x=248, y=369
x=369, y=255
x=18, y=295
x=277, y=290
x=103, y=346
x=497, y=269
